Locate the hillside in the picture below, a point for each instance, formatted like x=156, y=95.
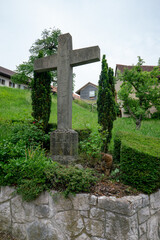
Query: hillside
x=16, y=105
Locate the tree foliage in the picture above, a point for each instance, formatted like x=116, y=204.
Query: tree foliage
x=106, y=103
x=47, y=44
x=41, y=97
x=139, y=91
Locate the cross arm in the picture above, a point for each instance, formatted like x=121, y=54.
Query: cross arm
x=85, y=56
x=48, y=63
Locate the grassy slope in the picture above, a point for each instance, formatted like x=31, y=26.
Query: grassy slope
x=15, y=104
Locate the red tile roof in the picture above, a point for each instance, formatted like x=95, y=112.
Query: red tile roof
x=75, y=96
x=53, y=89
x=122, y=67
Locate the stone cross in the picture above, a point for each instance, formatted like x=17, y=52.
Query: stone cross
x=64, y=140
x=64, y=61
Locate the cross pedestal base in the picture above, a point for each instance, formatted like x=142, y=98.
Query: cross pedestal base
x=64, y=146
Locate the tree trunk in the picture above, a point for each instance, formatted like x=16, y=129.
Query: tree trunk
x=138, y=123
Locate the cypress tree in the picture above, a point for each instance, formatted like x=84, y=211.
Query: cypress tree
x=106, y=105
x=41, y=97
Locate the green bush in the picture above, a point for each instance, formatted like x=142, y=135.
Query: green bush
x=41, y=97
x=31, y=166
x=139, y=158
x=91, y=146
x=35, y=173
x=133, y=138
x=9, y=150
x=156, y=115
x=29, y=189
x=70, y=179
x=140, y=165
x=31, y=135
x=83, y=134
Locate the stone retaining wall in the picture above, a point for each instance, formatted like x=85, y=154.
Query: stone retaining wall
x=83, y=217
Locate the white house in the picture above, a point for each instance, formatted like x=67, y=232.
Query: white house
x=120, y=67
x=5, y=79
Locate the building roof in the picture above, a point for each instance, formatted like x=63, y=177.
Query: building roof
x=53, y=89
x=75, y=96
x=6, y=72
x=122, y=67
x=89, y=83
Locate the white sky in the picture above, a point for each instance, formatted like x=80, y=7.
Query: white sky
x=123, y=29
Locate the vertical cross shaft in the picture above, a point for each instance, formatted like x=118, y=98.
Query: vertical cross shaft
x=64, y=73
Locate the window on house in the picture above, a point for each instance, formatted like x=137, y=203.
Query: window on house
x=92, y=94
x=19, y=86
x=3, y=81
x=10, y=84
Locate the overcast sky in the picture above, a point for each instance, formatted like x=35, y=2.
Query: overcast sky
x=123, y=29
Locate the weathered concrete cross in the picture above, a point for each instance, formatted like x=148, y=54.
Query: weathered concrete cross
x=64, y=61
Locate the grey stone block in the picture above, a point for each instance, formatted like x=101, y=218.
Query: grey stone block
x=121, y=227
x=83, y=236
x=6, y=193
x=43, y=231
x=143, y=229
x=126, y=205
x=96, y=213
x=155, y=202
x=94, y=227
x=93, y=200
x=18, y=213
x=58, y=203
x=143, y=215
x=70, y=222
x=81, y=202
x=42, y=211
x=64, y=146
x=5, y=216
x=19, y=231
x=153, y=228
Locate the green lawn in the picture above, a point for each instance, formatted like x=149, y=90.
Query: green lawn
x=15, y=104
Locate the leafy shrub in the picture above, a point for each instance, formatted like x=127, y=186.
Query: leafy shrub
x=83, y=134
x=35, y=173
x=41, y=97
x=30, y=189
x=70, y=179
x=31, y=135
x=91, y=146
x=139, y=158
x=9, y=150
x=140, y=166
x=156, y=115
x=29, y=167
x=132, y=137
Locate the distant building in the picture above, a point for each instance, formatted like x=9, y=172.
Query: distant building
x=120, y=67
x=88, y=91
x=54, y=91
x=5, y=79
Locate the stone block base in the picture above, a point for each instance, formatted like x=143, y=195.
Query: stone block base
x=64, y=145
